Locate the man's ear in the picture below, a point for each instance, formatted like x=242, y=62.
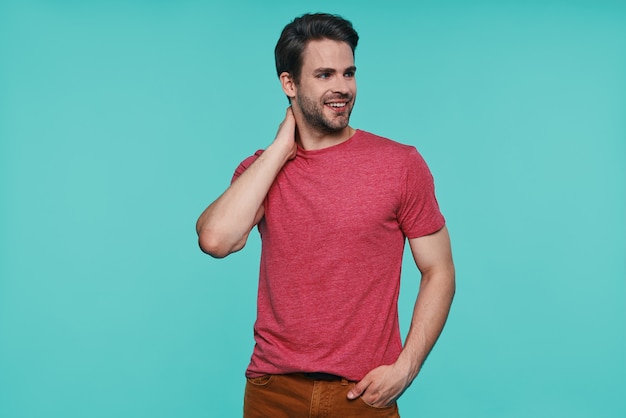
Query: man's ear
x=288, y=84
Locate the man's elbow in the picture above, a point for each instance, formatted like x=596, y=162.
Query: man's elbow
x=215, y=246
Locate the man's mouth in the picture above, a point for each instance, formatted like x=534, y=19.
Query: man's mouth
x=337, y=106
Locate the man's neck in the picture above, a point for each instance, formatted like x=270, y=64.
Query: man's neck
x=312, y=139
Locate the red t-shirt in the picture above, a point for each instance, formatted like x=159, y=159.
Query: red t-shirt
x=332, y=237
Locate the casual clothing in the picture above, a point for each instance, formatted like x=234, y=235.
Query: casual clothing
x=333, y=237
x=297, y=396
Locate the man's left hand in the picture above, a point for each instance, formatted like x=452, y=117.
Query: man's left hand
x=381, y=386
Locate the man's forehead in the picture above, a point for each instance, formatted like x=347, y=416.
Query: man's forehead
x=327, y=53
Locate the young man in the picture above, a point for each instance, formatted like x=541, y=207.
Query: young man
x=334, y=206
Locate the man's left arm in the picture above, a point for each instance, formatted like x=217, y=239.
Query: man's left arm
x=433, y=257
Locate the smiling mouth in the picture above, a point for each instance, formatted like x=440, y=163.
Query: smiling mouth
x=337, y=106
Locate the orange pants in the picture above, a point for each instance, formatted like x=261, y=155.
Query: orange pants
x=297, y=396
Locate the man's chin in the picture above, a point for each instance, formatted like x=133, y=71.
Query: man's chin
x=338, y=122
x=335, y=126
x=340, y=126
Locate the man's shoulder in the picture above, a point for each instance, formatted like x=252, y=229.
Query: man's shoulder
x=243, y=166
x=383, y=144
x=252, y=158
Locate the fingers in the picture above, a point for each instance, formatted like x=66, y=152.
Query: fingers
x=288, y=115
x=289, y=118
x=359, y=388
x=285, y=137
x=289, y=123
x=377, y=388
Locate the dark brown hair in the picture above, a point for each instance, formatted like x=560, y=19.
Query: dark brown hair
x=308, y=27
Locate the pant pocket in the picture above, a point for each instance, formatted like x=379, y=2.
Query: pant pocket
x=261, y=380
x=382, y=408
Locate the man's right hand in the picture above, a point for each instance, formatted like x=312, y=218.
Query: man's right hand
x=286, y=135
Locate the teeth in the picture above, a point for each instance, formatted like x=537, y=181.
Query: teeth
x=336, y=104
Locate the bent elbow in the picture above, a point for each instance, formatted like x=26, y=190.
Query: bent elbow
x=211, y=246
x=215, y=246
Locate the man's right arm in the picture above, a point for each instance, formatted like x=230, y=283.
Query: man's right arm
x=224, y=226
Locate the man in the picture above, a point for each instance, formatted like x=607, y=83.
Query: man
x=334, y=206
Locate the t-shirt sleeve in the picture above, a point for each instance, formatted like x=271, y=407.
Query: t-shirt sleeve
x=245, y=164
x=419, y=213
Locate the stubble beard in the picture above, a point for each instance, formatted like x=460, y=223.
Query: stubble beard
x=313, y=114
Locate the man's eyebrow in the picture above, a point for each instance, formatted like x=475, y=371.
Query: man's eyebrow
x=323, y=70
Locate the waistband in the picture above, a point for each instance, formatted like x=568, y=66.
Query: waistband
x=327, y=377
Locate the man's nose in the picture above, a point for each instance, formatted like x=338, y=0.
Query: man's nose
x=342, y=85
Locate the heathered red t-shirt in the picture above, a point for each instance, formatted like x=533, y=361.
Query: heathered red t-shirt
x=332, y=237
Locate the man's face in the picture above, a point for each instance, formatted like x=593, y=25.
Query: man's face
x=326, y=90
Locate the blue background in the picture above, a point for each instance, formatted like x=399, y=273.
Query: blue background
x=120, y=121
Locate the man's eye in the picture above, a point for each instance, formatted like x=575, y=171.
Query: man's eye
x=349, y=74
x=323, y=75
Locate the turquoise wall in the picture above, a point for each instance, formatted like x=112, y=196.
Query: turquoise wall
x=120, y=121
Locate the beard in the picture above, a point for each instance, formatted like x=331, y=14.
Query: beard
x=313, y=113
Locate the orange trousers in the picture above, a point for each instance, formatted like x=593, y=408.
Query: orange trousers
x=297, y=396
